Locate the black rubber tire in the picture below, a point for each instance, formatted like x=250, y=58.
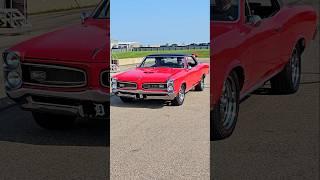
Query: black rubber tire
x=53, y=121
x=218, y=130
x=177, y=101
x=200, y=86
x=126, y=100
x=283, y=82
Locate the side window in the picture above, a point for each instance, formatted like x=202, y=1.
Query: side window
x=247, y=10
x=264, y=8
x=224, y=10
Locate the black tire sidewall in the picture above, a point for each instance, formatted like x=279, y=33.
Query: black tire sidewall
x=219, y=131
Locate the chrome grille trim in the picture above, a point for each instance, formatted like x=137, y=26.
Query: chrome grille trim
x=146, y=84
x=130, y=83
x=102, y=81
x=57, y=84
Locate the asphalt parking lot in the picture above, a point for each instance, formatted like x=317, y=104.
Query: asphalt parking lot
x=29, y=152
x=151, y=140
x=277, y=136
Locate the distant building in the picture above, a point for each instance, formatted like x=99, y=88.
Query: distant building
x=126, y=45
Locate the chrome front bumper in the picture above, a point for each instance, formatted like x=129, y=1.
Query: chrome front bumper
x=97, y=100
x=140, y=94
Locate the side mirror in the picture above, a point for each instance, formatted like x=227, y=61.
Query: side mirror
x=255, y=20
x=84, y=16
x=189, y=67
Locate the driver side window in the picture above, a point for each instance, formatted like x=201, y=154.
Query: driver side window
x=262, y=8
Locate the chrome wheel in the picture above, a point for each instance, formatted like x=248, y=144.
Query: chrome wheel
x=295, y=68
x=181, y=94
x=228, y=106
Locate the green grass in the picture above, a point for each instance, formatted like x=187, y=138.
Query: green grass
x=202, y=53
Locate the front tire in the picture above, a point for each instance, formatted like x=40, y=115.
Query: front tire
x=288, y=80
x=225, y=113
x=179, y=99
x=53, y=121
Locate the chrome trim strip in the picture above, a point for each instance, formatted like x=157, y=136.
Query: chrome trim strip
x=53, y=108
x=85, y=82
x=165, y=96
x=154, y=88
x=98, y=96
x=124, y=82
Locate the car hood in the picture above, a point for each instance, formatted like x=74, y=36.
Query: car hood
x=80, y=42
x=148, y=75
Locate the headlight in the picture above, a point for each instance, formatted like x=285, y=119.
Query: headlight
x=114, y=84
x=14, y=80
x=170, y=86
x=12, y=60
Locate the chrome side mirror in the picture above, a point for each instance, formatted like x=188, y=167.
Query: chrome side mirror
x=255, y=20
x=84, y=16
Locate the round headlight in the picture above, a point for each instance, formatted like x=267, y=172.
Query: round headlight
x=170, y=86
x=170, y=89
x=12, y=60
x=114, y=83
x=14, y=79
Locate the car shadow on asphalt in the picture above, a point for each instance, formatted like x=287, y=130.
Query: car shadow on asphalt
x=18, y=126
x=306, y=79
x=149, y=104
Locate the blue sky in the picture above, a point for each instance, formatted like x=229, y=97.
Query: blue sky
x=160, y=21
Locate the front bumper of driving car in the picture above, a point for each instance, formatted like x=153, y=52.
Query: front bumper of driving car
x=88, y=103
x=141, y=94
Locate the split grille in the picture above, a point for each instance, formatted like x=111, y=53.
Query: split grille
x=53, y=76
x=127, y=85
x=105, y=78
x=154, y=86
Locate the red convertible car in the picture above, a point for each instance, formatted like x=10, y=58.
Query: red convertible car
x=252, y=42
x=64, y=74
x=162, y=77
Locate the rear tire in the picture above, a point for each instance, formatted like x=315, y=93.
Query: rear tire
x=52, y=121
x=200, y=85
x=225, y=113
x=288, y=80
x=179, y=99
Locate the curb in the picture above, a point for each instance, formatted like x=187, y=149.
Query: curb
x=6, y=103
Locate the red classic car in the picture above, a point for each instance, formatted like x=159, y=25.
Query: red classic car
x=62, y=75
x=252, y=42
x=161, y=76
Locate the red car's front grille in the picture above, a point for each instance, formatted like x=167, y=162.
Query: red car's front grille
x=127, y=85
x=53, y=76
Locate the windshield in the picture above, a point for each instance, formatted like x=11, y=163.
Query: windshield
x=103, y=10
x=224, y=10
x=171, y=62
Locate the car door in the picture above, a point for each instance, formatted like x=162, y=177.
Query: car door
x=194, y=68
x=190, y=74
x=262, y=37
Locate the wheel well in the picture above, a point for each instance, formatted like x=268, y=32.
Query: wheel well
x=301, y=44
x=240, y=73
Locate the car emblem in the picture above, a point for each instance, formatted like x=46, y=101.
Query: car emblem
x=39, y=76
